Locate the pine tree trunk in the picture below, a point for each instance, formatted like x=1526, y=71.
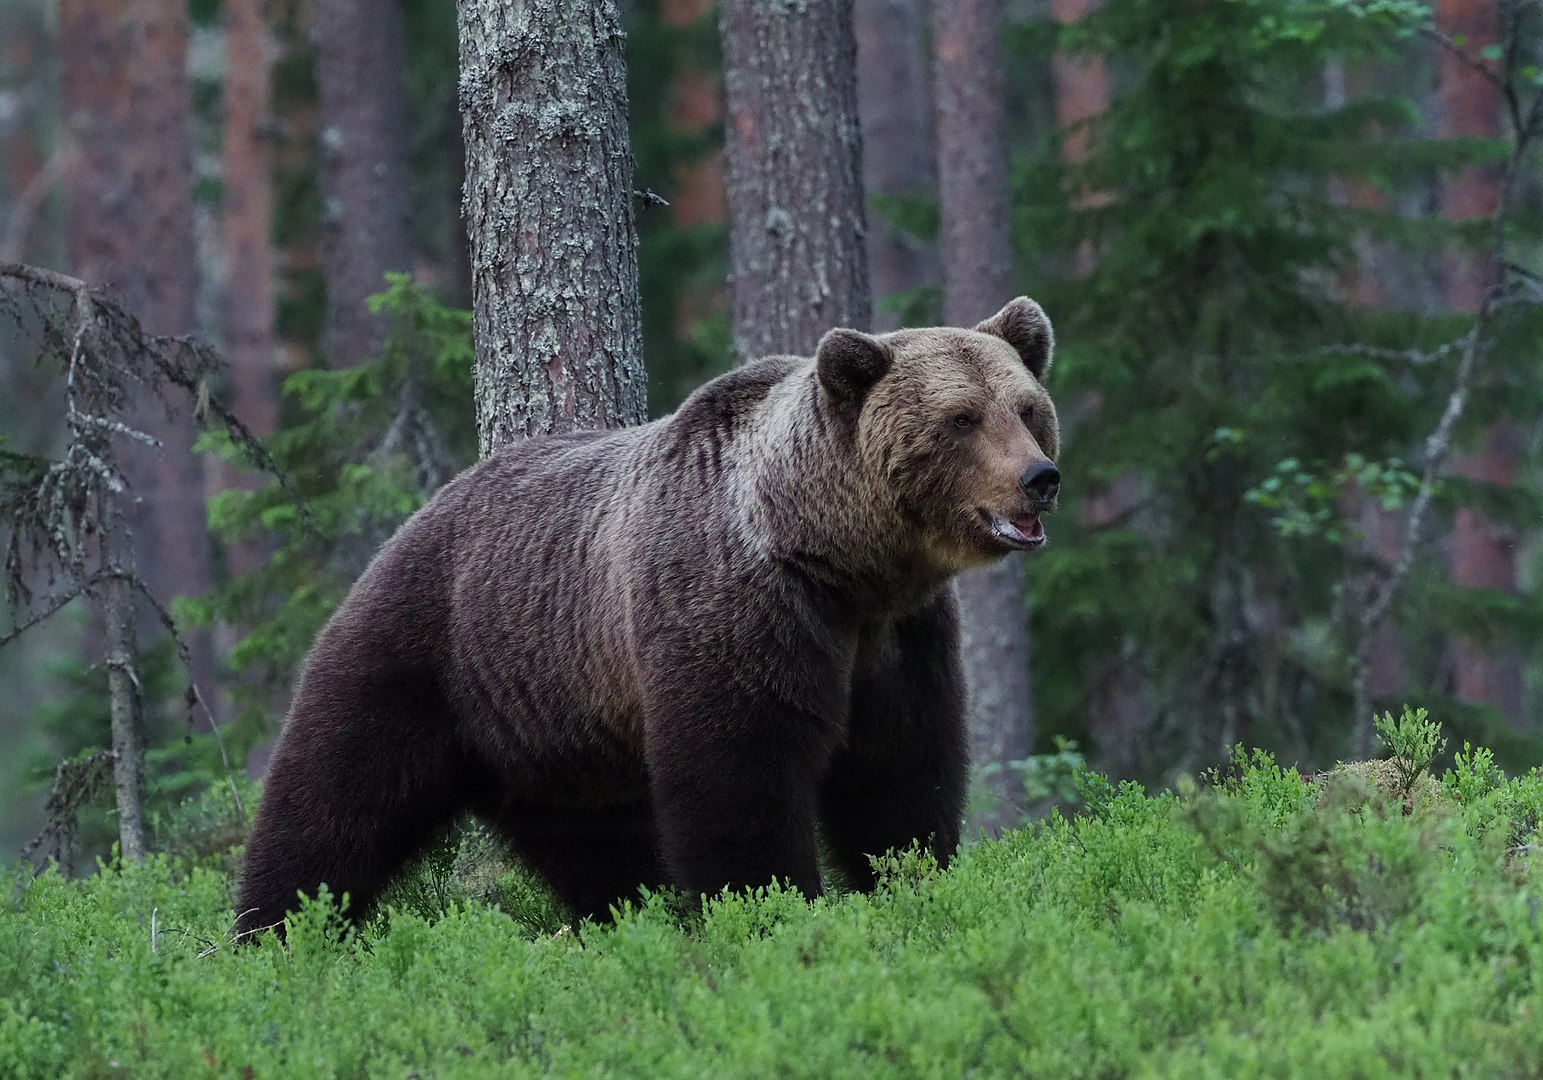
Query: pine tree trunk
x=1081, y=94
x=299, y=277
x=977, y=279
x=795, y=188
x=696, y=106
x=1364, y=285
x=131, y=232
x=121, y=657
x=25, y=177
x=361, y=66
x=250, y=348
x=548, y=208
x=1483, y=551
x=897, y=142
x=697, y=197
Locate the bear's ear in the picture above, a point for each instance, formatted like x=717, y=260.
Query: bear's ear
x=850, y=362
x=1023, y=325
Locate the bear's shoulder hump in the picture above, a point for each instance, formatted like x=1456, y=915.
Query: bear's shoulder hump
x=729, y=398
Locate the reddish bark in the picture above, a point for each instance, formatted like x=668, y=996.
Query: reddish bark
x=361, y=64
x=131, y=231
x=1081, y=95
x=1483, y=551
x=698, y=196
x=1118, y=717
x=1081, y=84
x=1364, y=284
x=297, y=256
x=248, y=216
x=250, y=346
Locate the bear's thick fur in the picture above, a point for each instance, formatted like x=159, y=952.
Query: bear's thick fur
x=675, y=654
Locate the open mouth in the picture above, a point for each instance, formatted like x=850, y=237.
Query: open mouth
x=1019, y=532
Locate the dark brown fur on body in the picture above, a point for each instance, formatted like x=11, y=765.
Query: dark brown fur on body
x=673, y=654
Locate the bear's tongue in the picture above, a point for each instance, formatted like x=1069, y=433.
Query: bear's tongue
x=1028, y=528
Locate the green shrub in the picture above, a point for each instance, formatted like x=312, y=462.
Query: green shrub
x=1238, y=928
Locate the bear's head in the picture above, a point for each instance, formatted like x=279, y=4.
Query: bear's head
x=956, y=426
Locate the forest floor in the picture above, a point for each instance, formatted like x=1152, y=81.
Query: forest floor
x=1255, y=923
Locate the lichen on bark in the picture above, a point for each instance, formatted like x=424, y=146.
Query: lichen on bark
x=795, y=189
x=548, y=209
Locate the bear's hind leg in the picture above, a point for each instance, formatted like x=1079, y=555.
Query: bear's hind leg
x=360, y=784
x=591, y=858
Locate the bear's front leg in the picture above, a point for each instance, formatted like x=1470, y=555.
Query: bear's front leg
x=734, y=780
x=902, y=774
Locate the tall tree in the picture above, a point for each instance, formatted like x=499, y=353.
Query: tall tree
x=1365, y=284
x=1117, y=718
x=794, y=174
x=361, y=61
x=978, y=275
x=1483, y=551
x=897, y=161
x=548, y=209
x=131, y=230
x=28, y=175
x=695, y=107
x=250, y=347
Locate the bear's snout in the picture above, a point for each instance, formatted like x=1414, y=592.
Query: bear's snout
x=1041, y=482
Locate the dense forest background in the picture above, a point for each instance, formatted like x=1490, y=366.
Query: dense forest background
x=1279, y=241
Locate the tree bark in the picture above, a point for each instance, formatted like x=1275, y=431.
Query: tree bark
x=794, y=148
x=251, y=344
x=131, y=231
x=361, y=64
x=548, y=208
x=1365, y=286
x=25, y=174
x=1483, y=551
x=128, y=724
x=1081, y=94
x=250, y=347
x=697, y=198
x=977, y=278
x=299, y=281
x=897, y=139
x=696, y=106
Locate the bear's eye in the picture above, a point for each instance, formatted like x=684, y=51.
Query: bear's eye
x=964, y=421
x=1027, y=416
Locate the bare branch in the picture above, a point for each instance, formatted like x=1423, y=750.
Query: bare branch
x=193, y=694
x=76, y=782
x=1467, y=58
x=1413, y=357
x=55, y=606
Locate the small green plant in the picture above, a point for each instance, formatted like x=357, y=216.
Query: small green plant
x=428, y=888
x=1051, y=778
x=1473, y=774
x=1414, y=740
x=1306, y=502
x=364, y=447
x=1163, y=936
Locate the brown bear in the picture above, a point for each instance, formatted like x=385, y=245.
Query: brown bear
x=678, y=654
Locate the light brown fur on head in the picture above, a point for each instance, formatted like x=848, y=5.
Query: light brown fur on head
x=953, y=426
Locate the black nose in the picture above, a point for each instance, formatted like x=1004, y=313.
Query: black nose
x=1041, y=481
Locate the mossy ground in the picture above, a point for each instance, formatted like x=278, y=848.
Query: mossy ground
x=1234, y=929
